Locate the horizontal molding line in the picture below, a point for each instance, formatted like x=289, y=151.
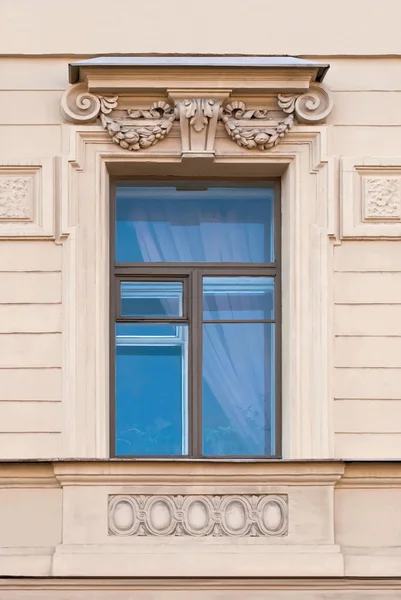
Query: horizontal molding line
x=346, y=399
x=370, y=368
x=363, y=335
x=218, y=583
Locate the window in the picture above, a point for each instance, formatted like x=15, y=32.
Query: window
x=196, y=305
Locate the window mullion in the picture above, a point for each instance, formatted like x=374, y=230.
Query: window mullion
x=195, y=380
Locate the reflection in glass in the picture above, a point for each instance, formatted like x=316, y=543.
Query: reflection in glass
x=151, y=299
x=238, y=389
x=244, y=298
x=214, y=224
x=151, y=390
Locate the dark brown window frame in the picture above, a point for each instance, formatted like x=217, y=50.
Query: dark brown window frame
x=191, y=275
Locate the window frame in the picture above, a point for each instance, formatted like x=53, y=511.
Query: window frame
x=191, y=274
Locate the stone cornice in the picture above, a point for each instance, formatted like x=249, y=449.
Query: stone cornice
x=235, y=474
x=142, y=74
x=193, y=473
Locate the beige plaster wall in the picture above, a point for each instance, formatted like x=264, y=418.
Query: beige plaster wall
x=367, y=360
x=343, y=520
x=30, y=349
x=55, y=519
x=366, y=298
x=210, y=26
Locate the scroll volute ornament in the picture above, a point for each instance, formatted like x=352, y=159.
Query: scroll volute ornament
x=256, y=129
x=134, y=130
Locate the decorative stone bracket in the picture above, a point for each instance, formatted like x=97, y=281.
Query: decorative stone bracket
x=259, y=129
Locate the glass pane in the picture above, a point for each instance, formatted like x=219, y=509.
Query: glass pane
x=247, y=298
x=238, y=389
x=151, y=390
x=214, y=224
x=128, y=330
x=151, y=299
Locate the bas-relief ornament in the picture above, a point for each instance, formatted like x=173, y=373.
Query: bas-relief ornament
x=198, y=516
x=370, y=196
x=258, y=129
x=255, y=128
x=140, y=128
x=252, y=129
x=15, y=198
x=382, y=198
x=198, y=111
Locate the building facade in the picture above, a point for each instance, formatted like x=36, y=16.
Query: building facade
x=200, y=301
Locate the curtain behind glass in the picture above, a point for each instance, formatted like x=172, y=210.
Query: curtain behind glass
x=159, y=224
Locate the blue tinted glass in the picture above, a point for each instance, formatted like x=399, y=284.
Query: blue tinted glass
x=238, y=389
x=151, y=299
x=246, y=298
x=151, y=390
x=217, y=224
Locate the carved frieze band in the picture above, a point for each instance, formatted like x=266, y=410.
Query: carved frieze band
x=251, y=129
x=199, y=516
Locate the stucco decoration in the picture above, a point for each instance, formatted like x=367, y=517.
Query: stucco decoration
x=313, y=107
x=370, y=195
x=198, y=111
x=198, y=516
x=382, y=198
x=28, y=198
x=258, y=129
x=131, y=130
x=16, y=198
x=252, y=129
x=140, y=128
x=80, y=106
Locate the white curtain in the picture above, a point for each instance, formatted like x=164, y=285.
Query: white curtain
x=236, y=357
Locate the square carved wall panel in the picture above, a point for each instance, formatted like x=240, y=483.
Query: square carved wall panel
x=371, y=197
x=199, y=516
x=382, y=199
x=27, y=198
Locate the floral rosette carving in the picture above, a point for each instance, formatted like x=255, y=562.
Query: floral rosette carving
x=140, y=128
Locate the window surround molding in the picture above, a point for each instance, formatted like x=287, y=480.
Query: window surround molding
x=308, y=230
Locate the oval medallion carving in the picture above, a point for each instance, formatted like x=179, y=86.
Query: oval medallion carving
x=123, y=517
x=273, y=515
x=198, y=517
x=235, y=517
x=160, y=516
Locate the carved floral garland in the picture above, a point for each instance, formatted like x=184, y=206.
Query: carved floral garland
x=158, y=121
x=251, y=135
x=251, y=129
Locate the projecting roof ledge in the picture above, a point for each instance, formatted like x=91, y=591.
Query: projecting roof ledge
x=193, y=62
